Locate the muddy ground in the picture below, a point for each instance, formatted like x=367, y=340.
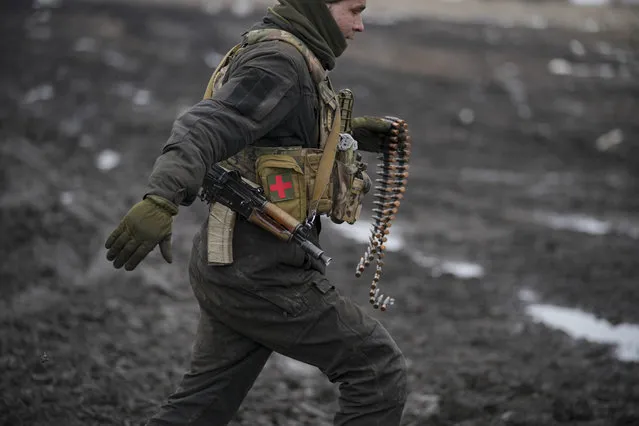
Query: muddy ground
x=523, y=194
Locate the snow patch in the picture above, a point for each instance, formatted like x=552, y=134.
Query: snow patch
x=574, y=222
x=108, y=159
x=582, y=325
x=44, y=92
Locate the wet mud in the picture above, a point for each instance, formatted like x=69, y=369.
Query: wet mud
x=513, y=259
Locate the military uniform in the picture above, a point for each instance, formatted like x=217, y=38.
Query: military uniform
x=272, y=297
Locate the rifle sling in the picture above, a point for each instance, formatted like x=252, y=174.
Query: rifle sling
x=325, y=167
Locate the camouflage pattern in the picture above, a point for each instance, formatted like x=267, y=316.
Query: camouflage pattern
x=349, y=191
x=269, y=34
x=350, y=181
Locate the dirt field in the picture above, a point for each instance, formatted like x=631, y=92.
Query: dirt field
x=513, y=260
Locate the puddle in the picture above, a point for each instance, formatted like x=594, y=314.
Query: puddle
x=582, y=325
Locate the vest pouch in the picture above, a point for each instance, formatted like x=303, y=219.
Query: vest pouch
x=283, y=182
x=312, y=158
x=355, y=200
x=348, y=193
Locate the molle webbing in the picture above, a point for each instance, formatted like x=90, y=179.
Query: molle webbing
x=244, y=161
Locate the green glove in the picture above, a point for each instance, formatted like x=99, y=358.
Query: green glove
x=146, y=225
x=372, y=133
x=379, y=125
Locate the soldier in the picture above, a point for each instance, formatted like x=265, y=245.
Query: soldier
x=270, y=296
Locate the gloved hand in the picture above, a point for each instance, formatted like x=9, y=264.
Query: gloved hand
x=147, y=224
x=374, y=133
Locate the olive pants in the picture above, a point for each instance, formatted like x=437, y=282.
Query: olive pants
x=299, y=314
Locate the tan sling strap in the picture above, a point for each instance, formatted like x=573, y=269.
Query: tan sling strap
x=325, y=167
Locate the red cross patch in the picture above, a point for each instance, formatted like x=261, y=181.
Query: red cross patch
x=280, y=186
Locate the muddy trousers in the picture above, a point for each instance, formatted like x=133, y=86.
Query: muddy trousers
x=239, y=329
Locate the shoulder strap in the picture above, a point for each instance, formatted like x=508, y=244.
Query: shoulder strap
x=325, y=167
x=218, y=74
x=268, y=34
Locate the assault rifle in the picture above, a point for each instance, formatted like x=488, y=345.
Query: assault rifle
x=247, y=199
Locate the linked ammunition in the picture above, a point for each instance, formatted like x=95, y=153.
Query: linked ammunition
x=392, y=172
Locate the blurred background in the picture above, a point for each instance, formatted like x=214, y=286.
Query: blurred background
x=514, y=259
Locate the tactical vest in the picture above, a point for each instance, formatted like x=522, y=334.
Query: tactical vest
x=288, y=174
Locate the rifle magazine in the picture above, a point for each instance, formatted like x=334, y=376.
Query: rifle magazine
x=220, y=235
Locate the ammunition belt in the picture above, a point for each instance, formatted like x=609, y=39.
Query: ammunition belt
x=391, y=183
